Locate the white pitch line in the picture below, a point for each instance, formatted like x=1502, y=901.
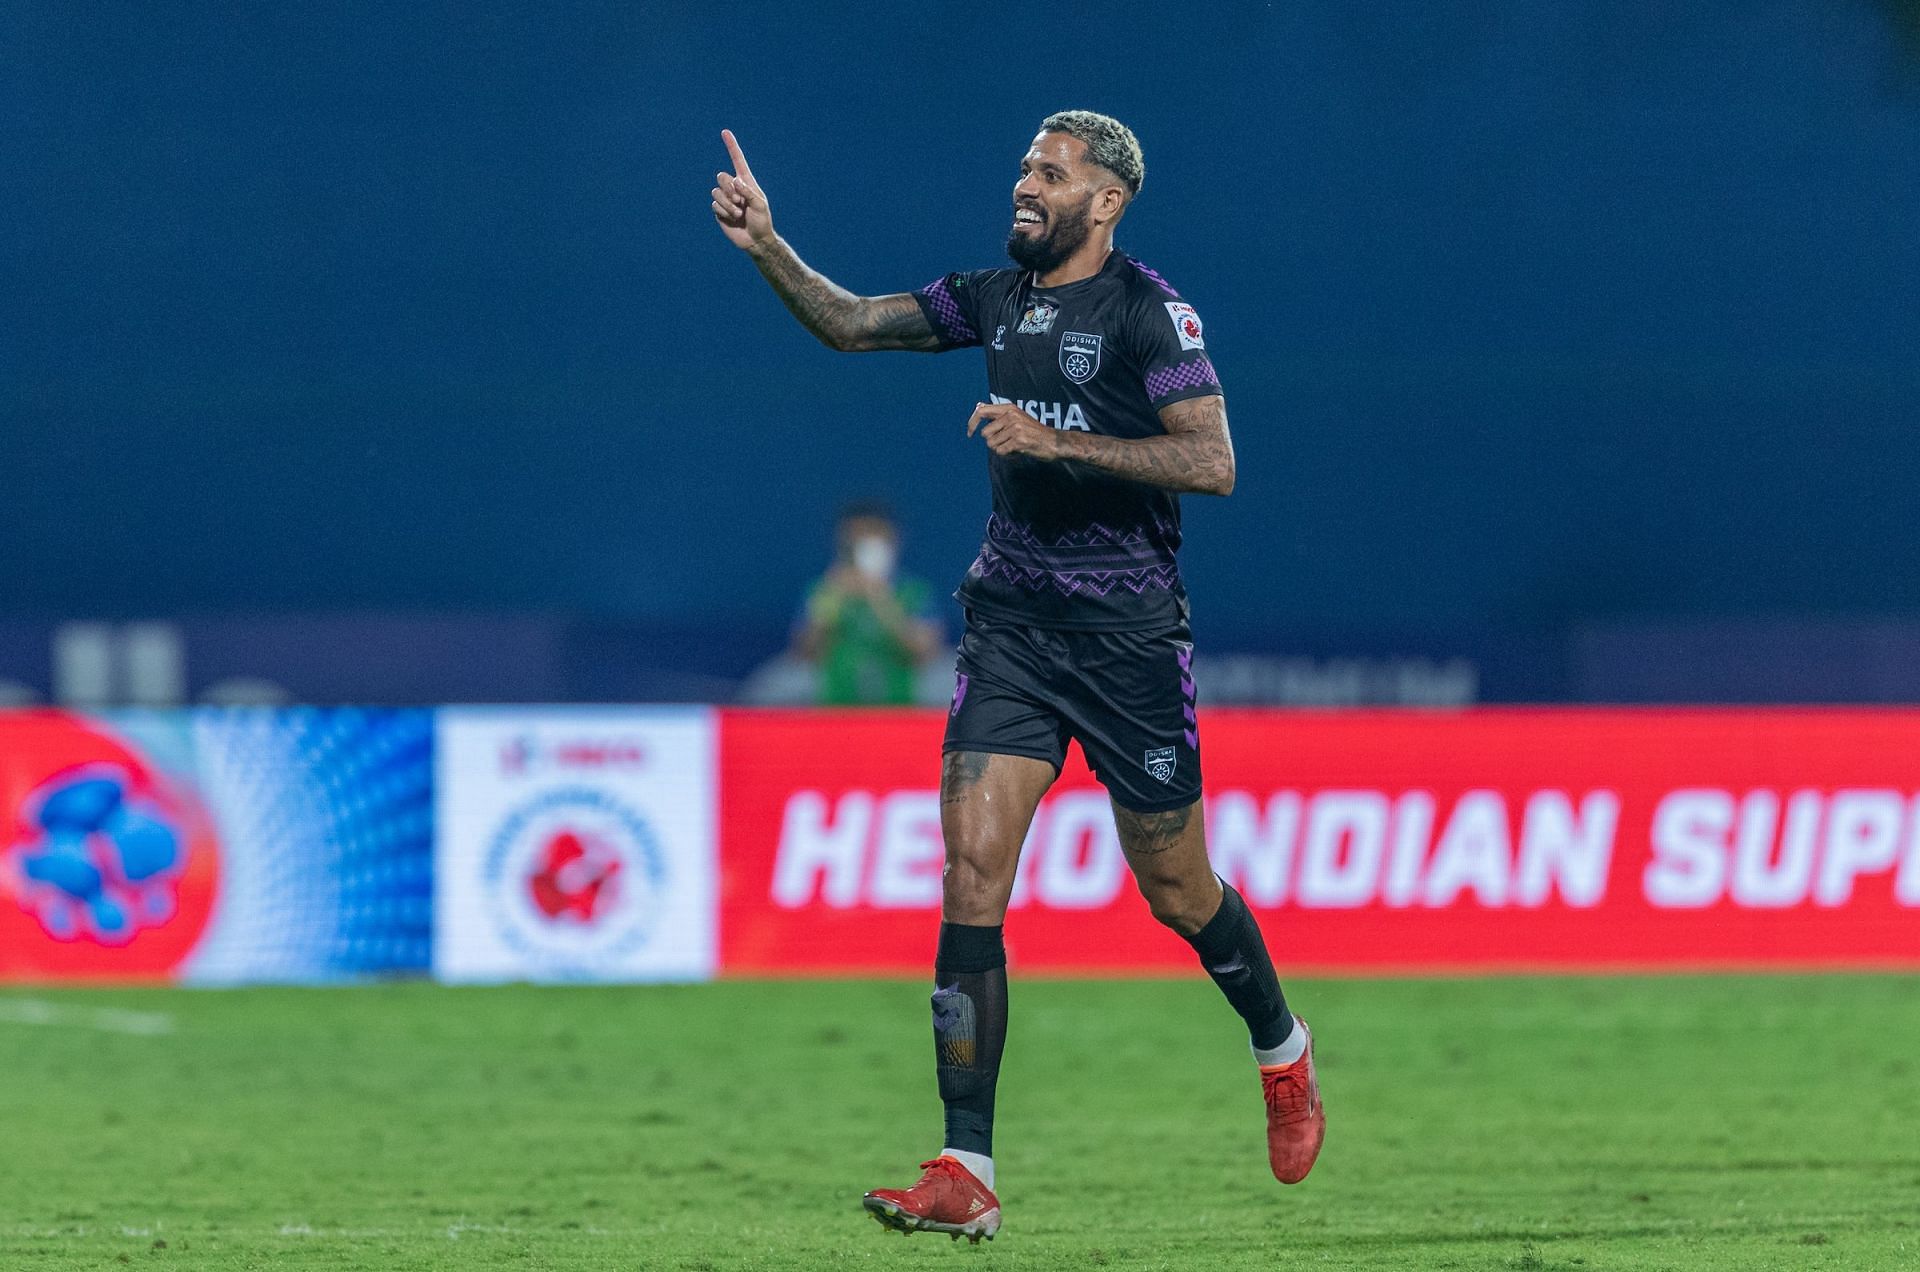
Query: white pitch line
x=37, y=1011
x=453, y=1231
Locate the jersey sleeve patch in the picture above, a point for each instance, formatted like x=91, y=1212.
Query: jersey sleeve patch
x=1186, y=325
x=950, y=321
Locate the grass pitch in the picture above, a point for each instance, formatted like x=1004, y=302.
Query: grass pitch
x=1733, y=1123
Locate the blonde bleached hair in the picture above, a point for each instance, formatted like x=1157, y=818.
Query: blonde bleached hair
x=1109, y=143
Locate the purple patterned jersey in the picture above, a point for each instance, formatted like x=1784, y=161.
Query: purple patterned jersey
x=1069, y=546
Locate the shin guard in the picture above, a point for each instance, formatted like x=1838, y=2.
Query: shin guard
x=969, y=1030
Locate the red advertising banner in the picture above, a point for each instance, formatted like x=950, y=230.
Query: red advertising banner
x=1369, y=841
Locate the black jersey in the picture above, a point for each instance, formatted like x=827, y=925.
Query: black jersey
x=1069, y=546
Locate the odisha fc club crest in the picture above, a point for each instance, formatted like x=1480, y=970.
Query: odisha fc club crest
x=1160, y=764
x=1038, y=320
x=1079, y=356
x=576, y=879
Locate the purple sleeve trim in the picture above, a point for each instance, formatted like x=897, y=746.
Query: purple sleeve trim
x=947, y=317
x=1194, y=374
x=1158, y=281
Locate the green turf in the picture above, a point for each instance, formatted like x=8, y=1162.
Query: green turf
x=1735, y=1123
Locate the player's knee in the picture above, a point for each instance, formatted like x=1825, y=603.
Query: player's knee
x=971, y=892
x=1182, y=904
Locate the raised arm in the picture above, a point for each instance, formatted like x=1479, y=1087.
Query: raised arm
x=837, y=317
x=1195, y=456
x=840, y=319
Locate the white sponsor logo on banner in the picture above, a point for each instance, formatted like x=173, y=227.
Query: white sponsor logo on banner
x=1340, y=849
x=575, y=875
x=575, y=845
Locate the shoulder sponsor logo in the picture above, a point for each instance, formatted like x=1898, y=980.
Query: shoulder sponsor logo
x=1079, y=356
x=1038, y=320
x=1160, y=763
x=1186, y=325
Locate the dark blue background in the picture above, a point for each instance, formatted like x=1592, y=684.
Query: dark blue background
x=1529, y=313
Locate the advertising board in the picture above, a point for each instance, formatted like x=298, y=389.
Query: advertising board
x=575, y=844
x=215, y=846
x=1367, y=842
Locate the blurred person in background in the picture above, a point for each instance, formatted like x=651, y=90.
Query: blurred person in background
x=867, y=627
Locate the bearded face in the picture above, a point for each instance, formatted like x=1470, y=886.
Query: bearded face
x=1053, y=202
x=1046, y=232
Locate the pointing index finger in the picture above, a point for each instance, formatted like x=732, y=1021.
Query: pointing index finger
x=740, y=167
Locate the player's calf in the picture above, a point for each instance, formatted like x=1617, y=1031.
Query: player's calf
x=1235, y=957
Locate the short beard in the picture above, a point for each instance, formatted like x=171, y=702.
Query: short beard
x=1048, y=252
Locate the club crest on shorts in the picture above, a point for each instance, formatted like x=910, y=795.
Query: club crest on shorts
x=1160, y=761
x=1038, y=320
x=1079, y=356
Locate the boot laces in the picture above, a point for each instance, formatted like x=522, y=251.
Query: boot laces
x=939, y=1168
x=1289, y=1094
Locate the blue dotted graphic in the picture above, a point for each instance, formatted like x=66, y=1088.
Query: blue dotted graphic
x=326, y=828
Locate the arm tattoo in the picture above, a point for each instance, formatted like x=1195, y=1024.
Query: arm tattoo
x=840, y=319
x=1196, y=455
x=960, y=773
x=1146, y=834
x=896, y=322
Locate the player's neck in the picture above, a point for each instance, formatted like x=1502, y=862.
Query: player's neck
x=1085, y=263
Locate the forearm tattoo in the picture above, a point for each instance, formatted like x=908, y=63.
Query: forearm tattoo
x=1195, y=456
x=837, y=317
x=1147, y=834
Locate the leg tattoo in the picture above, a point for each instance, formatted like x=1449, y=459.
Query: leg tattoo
x=960, y=772
x=1150, y=833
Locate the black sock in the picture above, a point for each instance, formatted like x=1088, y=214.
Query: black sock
x=969, y=1030
x=1231, y=950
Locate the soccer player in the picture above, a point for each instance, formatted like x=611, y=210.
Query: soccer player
x=1104, y=408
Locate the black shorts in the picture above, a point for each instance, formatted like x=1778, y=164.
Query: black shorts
x=1126, y=697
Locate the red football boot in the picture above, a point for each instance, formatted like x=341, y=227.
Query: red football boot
x=1296, y=1122
x=948, y=1198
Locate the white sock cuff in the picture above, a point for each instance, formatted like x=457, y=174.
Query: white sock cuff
x=980, y=1164
x=1287, y=1052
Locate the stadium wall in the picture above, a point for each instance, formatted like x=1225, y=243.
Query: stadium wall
x=565, y=844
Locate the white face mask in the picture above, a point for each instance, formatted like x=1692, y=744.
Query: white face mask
x=874, y=557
